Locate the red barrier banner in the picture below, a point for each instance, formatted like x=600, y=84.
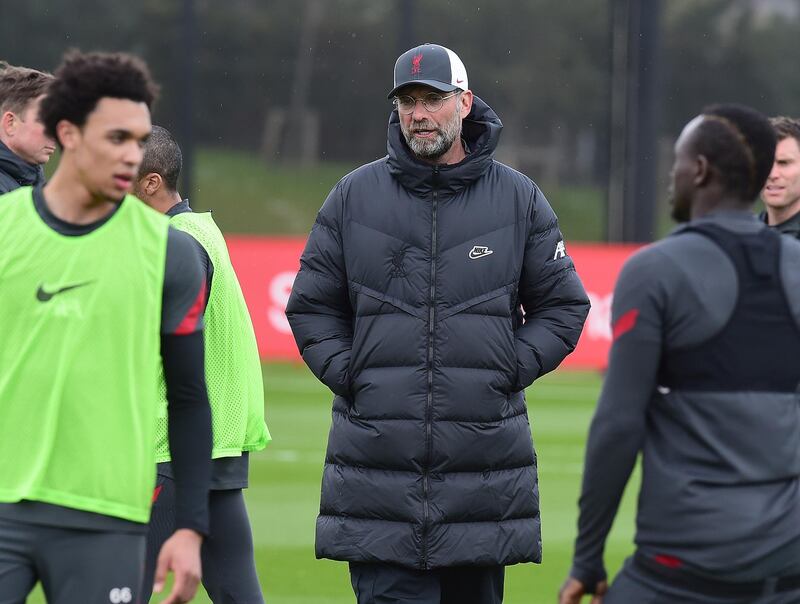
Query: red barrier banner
x=266, y=267
x=598, y=266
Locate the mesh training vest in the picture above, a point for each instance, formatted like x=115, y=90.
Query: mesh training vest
x=80, y=319
x=233, y=369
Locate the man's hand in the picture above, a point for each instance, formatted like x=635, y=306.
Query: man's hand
x=181, y=555
x=573, y=591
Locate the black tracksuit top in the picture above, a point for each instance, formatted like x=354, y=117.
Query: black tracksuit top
x=703, y=382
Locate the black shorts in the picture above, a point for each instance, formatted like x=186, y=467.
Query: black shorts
x=73, y=565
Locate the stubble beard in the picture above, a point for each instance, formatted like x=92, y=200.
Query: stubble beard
x=437, y=146
x=679, y=212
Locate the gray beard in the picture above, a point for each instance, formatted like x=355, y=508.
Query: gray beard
x=437, y=146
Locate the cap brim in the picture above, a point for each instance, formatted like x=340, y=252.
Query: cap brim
x=440, y=86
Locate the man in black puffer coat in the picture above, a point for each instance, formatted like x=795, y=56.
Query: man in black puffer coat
x=434, y=288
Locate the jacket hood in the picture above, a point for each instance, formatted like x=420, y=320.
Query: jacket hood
x=18, y=169
x=481, y=130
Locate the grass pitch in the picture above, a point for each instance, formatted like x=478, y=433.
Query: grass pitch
x=251, y=196
x=283, y=498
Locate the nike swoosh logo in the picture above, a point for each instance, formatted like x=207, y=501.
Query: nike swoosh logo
x=479, y=252
x=459, y=81
x=45, y=296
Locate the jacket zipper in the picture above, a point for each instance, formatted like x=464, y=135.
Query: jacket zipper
x=429, y=405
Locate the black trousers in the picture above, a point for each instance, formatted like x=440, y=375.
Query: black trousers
x=390, y=584
x=229, y=571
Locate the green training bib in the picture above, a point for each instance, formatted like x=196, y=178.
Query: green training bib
x=80, y=318
x=233, y=368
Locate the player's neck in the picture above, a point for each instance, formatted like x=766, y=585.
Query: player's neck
x=165, y=202
x=715, y=198
x=69, y=200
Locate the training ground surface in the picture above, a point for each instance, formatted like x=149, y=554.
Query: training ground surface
x=283, y=498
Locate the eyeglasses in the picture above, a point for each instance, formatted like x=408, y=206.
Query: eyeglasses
x=432, y=102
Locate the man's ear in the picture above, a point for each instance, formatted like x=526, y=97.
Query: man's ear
x=466, y=103
x=152, y=183
x=702, y=172
x=68, y=134
x=8, y=122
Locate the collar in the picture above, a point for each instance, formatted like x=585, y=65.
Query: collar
x=61, y=226
x=738, y=221
x=179, y=208
x=20, y=170
x=790, y=226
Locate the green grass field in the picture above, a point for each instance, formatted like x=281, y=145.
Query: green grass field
x=251, y=196
x=285, y=480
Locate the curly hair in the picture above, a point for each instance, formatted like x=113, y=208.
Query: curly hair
x=21, y=85
x=740, y=143
x=83, y=79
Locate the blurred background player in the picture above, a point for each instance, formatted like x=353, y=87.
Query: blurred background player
x=236, y=393
x=24, y=145
x=781, y=194
x=703, y=381
x=93, y=284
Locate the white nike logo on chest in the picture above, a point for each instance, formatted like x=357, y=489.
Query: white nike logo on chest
x=479, y=251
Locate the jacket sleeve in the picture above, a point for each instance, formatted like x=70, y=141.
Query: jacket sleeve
x=554, y=302
x=319, y=310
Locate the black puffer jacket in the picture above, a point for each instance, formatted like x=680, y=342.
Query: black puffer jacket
x=407, y=306
x=16, y=173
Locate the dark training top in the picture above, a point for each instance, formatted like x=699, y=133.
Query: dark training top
x=16, y=172
x=702, y=380
x=183, y=359
x=787, y=227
